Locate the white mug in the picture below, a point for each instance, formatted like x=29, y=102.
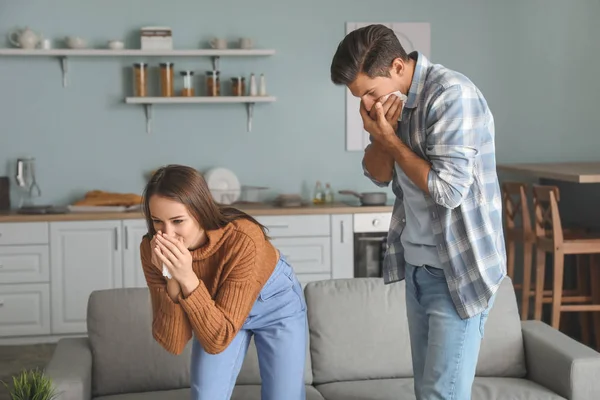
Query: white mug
x=45, y=44
x=217, y=43
x=245, y=43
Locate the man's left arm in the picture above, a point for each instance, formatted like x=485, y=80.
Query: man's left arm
x=455, y=123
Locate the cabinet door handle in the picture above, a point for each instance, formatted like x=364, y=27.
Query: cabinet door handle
x=116, y=238
x=126, y=239
x=278, y=226
x=342, y=231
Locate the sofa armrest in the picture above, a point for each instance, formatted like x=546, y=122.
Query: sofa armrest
x=70, y=369
x=560, y=363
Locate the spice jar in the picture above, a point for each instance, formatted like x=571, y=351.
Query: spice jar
x=188, y=87
x=166, y=79
x=213, y=83
x=140, y=79
x=238, y=86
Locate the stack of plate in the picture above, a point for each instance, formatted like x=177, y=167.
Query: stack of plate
x=223, y=185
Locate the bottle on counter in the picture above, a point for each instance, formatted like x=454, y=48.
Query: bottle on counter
x=319, y=195
x=328, y=193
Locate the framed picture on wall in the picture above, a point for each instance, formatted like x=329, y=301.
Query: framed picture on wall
x=413, y=36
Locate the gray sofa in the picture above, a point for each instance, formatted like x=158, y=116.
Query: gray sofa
x=359, y=349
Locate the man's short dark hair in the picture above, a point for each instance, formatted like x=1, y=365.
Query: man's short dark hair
x=370, y=50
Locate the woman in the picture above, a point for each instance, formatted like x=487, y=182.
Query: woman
x=227, y=282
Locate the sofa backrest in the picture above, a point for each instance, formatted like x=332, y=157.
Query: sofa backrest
x=358, y=330
x=127, y=359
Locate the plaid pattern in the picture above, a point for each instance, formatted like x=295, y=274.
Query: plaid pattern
x=448, y=123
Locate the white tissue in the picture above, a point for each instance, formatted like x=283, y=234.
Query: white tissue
x=166, y=272
x=398, y=93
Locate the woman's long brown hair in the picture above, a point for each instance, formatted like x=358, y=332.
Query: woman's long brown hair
x=188, y=187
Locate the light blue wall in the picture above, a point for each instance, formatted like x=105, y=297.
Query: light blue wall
x=537, y=69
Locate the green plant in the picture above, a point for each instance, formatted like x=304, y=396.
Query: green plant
x=31, y=385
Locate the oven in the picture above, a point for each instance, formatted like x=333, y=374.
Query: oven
x=370, y=234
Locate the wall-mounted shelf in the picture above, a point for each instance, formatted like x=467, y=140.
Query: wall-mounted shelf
x=64, y=54
x=148, y=102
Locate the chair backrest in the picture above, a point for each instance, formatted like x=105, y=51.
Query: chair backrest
x=516, y=209
x=547, y=216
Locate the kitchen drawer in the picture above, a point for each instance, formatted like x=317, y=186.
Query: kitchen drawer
x=25, y=309
x=306, y=255
x=20, y=264
x=23, y=233
x=296, y=225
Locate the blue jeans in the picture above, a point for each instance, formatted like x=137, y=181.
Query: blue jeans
x=278, y=322
x=444, y=347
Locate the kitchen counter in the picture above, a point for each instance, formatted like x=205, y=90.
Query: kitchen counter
x=578, y=172
x=252, y=209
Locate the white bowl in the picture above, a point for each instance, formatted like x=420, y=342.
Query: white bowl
x=116, y=45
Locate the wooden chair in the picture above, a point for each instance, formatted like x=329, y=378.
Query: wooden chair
x=518, y=229
x=550, y=238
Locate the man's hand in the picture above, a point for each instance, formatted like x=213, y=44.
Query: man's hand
x=380, y=128
x=392, y=108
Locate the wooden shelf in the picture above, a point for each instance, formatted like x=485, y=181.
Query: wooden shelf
x=136, y=53
x=64, y=54
x=199, y=99
x=249, y=101
x=148, y=102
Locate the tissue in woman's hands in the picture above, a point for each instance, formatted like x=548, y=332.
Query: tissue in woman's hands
x=166, y=272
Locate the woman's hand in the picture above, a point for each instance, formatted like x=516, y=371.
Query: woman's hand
x=178, y=260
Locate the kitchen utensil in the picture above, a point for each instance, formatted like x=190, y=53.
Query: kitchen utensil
x=288, y=200
x=223, y=185
x=75, y=42
x=4, y=193
x=24, y=38
x=368, y=198
x=26, y=180
x=116, y=45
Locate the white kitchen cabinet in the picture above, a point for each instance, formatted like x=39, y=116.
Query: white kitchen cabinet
x=84, y=256
x=318, y=247
x=342, y=246
x=24, y=309
x=133, y=274
x=306, y=255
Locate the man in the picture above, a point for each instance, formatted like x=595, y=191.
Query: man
x=446, y=235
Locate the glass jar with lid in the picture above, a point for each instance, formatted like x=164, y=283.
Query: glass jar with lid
x=140, y=79
x=213, y=83
x=238, y=86
x=166, y=79
x=188, y=85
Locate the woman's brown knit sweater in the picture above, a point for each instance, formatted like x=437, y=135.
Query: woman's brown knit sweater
x=232, y=267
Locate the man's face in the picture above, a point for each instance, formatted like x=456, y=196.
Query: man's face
x=369, y=90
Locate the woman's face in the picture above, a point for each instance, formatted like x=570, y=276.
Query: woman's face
x=172, y=218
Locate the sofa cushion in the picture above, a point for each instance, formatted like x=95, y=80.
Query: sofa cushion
x=399, y=389
x=502, y=352
x=511, y=389
x=240, y=392
x=376, y=389
x=358, y=330
x=126, y=358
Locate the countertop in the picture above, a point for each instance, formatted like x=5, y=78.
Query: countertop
x=578, y=172
x=252, y=209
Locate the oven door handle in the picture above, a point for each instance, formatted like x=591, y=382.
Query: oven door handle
x=371, y=239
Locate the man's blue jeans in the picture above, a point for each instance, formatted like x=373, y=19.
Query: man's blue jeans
x=444, y=347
